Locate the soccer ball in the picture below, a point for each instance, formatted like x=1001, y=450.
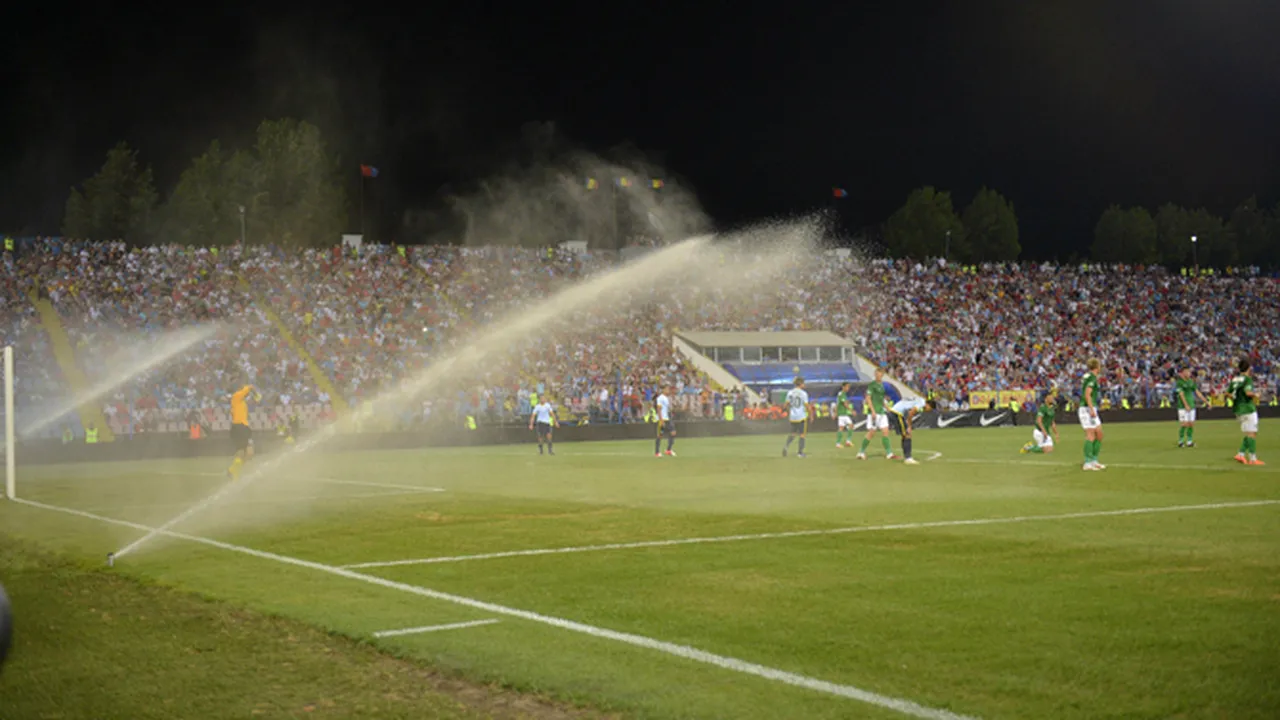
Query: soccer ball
x=6, y=626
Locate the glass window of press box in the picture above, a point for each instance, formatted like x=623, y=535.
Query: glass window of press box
x=830, y=354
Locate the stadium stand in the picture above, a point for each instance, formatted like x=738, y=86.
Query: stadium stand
x=371, y=318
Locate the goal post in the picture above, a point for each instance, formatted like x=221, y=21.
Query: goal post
x=10, y=474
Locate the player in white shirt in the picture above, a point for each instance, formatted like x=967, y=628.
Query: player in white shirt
x=903, y=413
x=666, y=423
x=543, y=418
x=799, y=412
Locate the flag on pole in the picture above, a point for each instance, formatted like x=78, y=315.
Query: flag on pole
x=839, y=192
x=369, y=171
x=657, y=183
x=592, y=183
x=624, y=182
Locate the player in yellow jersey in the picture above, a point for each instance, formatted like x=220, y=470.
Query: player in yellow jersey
x=241, y=435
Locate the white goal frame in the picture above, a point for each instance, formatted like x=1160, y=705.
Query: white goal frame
x=10, y=474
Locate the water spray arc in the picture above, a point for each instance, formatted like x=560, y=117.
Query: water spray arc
x=655, y=276
x=168, y=347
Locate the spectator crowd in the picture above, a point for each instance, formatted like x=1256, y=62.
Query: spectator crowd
x=372, y=318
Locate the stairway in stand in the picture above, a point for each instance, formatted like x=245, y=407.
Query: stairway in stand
x=90, y=412
x=318, y=376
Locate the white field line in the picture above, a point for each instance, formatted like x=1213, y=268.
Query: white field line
x=363, y=483
x=810, y=533
x=510, y=451
x=905, y=707
x=336, y=481
x=1234, y=467
x=276, y=501
x=433, y=628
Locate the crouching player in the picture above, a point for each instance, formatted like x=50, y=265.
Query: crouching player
x=1045, y=436
x=903, y=413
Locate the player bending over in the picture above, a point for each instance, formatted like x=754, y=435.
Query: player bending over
x=666, y=425
x=844, y=418
x=1187, y=392
x=241, y=435
x=799, y=412
x=542, y=419
x=877, y=417
x=1244, y=402
x=904, y=412
x=1088, y=413
x=1045, y=436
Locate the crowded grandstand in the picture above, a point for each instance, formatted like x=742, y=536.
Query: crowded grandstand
x=311, y=324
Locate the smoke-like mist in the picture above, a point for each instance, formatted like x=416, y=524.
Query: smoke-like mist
x=551, y=195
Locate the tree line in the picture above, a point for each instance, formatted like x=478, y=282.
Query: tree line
x=927, y=225
x=285, y=188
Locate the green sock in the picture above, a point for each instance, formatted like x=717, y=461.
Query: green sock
x=1182, y=433
x=1244, y=446
x=888, y=449
x=1191, y=434
x=839, y=437
x=1088, y=450
x=865, y=443
x=1253, y=446
x=1097, y=449
x=1037, y=450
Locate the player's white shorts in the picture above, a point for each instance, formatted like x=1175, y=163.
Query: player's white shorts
x=1248, y=423
x=1186, y=416
x=1087, y=420
x=844, y=421
x=879, y=422
x=1043, y=440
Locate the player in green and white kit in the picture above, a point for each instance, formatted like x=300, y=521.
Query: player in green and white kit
x=1045, y=436
x=1090, y=397
x=1244, y=401
x=844, y=418
x=877, y=417
x=1186, y=393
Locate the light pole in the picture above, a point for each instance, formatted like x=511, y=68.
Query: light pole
x=1194, y=262
x=242, y=225
x=946, y=251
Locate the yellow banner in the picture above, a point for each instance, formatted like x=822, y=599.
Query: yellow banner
x=982, y=398
x=1002, y=398
x=1024, y=397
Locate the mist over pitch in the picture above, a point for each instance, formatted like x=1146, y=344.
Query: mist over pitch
x=736, y=271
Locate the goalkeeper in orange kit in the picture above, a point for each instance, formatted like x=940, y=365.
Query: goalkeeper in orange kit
x=241, y=435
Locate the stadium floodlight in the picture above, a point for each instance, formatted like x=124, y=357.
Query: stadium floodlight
x=242, y=226
x=10, y=475
x=1194, y=261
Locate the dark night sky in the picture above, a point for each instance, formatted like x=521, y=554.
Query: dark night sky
x=1064, y=106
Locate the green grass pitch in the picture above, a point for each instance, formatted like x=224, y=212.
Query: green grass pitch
x=732, y=582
